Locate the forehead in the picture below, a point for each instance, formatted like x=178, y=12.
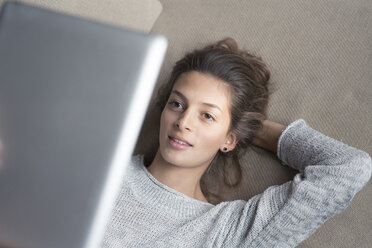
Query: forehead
x=204, y=88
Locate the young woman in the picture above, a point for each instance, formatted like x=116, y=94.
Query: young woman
x=213, y=108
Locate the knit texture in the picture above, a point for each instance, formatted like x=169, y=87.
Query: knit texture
x=151, y=214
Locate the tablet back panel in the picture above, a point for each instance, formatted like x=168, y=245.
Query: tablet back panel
x=73, y=95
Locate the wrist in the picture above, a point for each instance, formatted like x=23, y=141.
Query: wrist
x=267, y=137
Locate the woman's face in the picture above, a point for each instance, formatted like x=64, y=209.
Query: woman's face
x=195, y=121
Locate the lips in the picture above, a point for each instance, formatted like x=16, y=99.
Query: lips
x=179, y=139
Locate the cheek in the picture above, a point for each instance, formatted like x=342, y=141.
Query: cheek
x=211, y=138
x=166, y=121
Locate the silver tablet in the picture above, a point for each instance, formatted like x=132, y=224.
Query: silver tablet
x=73, y=95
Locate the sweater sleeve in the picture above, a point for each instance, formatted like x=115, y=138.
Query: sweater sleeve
x=330, y=174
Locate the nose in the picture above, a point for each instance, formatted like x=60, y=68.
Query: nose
x=184, y=122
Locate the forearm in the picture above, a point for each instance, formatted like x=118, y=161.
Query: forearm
x=267, y=137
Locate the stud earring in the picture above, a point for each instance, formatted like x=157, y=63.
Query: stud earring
x=225, y=149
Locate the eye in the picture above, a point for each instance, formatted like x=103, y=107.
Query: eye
x=175, y=104
x=208, y=116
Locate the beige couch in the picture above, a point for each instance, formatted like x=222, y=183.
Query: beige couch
x=320, y=55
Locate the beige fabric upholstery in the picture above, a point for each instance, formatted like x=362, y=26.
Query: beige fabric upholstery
x=133, y=14
x=319, y=53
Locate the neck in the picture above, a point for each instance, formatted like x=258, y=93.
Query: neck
x=183, y=179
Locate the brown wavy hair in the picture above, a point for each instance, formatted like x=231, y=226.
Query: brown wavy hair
x=248, y=78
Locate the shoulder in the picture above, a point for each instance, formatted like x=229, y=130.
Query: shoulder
x=135, y=164
x=137, y=159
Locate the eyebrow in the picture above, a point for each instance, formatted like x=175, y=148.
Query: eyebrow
x=204, y=103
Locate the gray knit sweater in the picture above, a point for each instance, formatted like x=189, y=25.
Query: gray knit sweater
x=151, y=214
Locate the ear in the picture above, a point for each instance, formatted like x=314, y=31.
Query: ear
x=230, y=142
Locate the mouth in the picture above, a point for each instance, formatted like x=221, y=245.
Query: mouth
x=179, y=142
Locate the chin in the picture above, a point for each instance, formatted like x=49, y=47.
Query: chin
x=174, y=158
